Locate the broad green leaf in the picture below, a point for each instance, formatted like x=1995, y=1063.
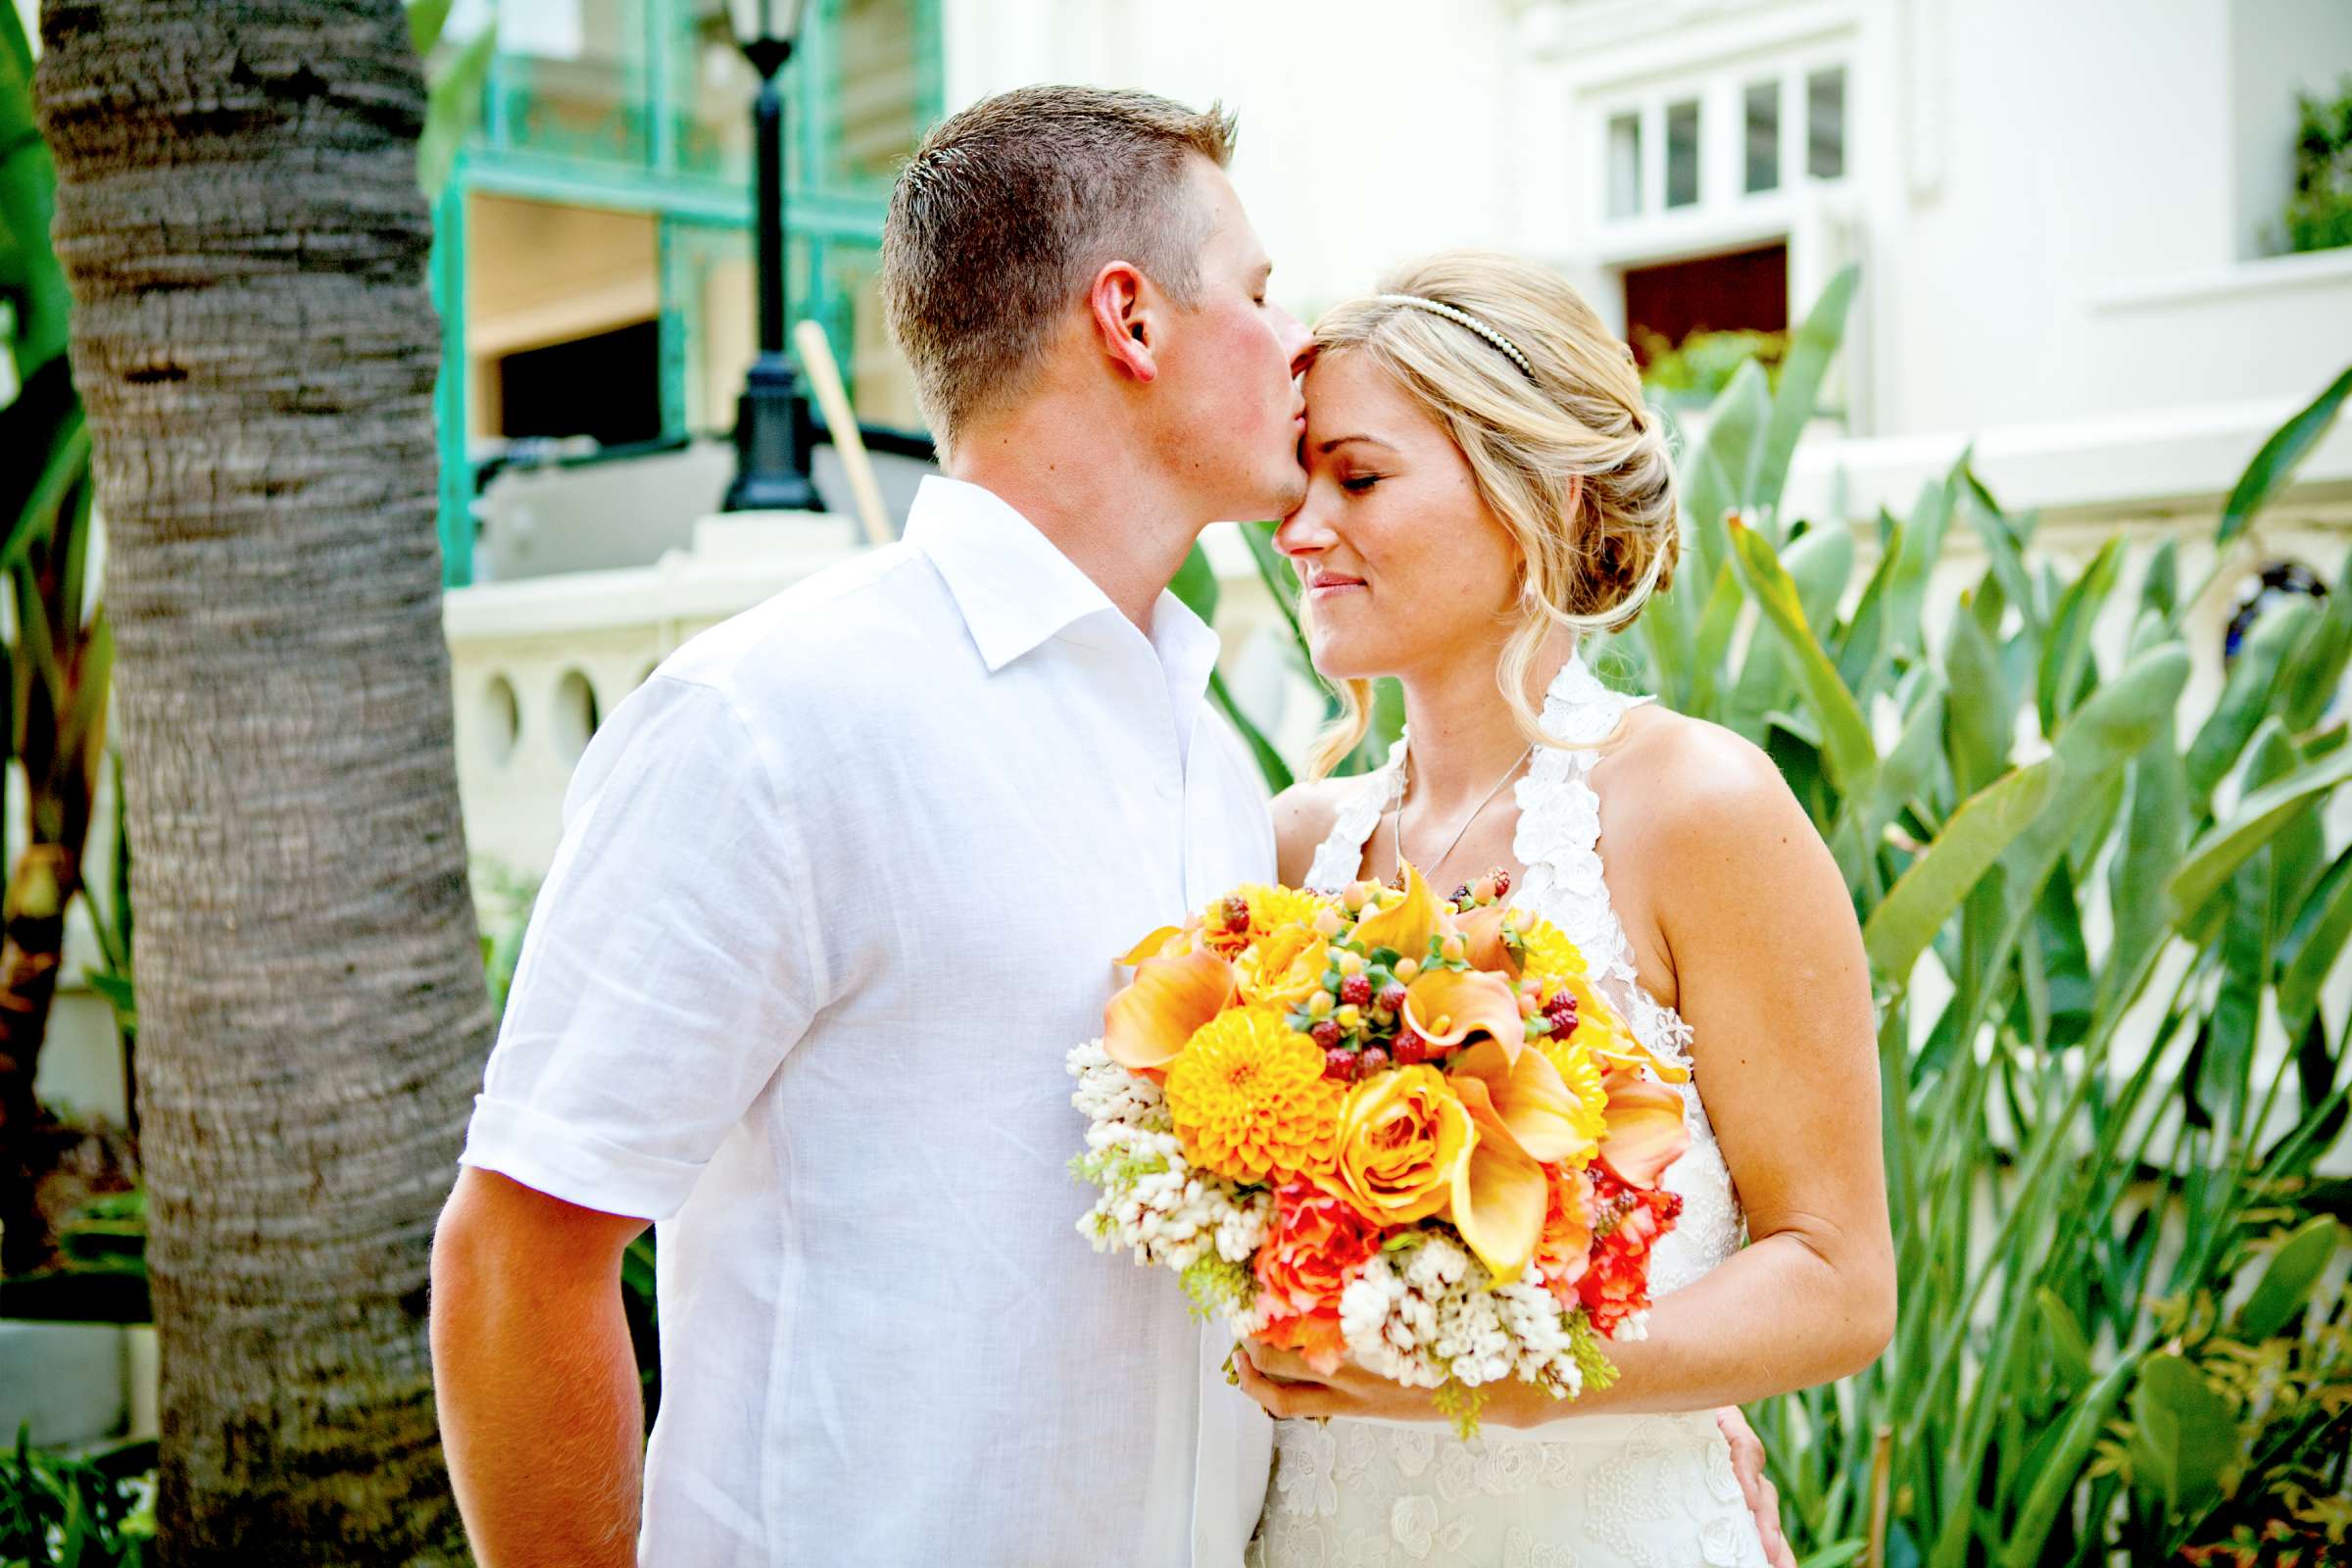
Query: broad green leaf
x=2185, y=1433
x=1811, y=348
x=2294, y=1269
x=2160, y=582
x=2216, y=856
x=2248, y=694
x=1269, y=761
x=1714, y=482
x=1900, y=929
x=2315, y=942
x=1983, y=722
x=2061, y=1469
x=1196, y=584
x=2276, y=464
x=2068, y=1348
x=453, y=108
x=1821, y=561
x=1282, y=582
x=2312, y=676
x=2156, y=831
x=426, y=19
x=2004, y=550
x=2066, y=655
x=1846, y=744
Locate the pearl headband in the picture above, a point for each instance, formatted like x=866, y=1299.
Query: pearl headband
x=1510, y=350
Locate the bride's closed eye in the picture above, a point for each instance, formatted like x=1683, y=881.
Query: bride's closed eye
x=1360, y=483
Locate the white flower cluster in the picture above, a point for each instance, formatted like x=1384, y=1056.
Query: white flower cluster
x=1153, y=1202
x=1427, y=1312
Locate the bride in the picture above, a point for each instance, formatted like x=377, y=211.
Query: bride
x=1486, y=487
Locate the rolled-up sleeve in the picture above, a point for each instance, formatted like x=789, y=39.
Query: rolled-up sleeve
x=671, y=962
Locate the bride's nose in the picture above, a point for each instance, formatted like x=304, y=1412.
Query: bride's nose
x=1304, y=532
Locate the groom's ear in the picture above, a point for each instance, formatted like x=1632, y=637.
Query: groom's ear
x=1124, y=311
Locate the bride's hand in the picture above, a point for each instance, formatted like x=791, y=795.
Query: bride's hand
x=1289, y=1389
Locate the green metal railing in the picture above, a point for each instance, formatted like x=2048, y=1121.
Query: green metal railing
x=631, y=131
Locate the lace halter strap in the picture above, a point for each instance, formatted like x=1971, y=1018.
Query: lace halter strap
x=1558, y=842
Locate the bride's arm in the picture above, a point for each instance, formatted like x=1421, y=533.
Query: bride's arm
x=1771, y=974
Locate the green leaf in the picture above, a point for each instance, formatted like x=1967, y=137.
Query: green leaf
x=2184, y=1435
x=453, y=108
x=2309, y=680
x=1714, y=482
x=1900, y=929
x=2247, y=695
x=426, y=19
x=1982, y=720
x=2276, y=464
x=1269, y=761
x=1846, y=743
x=2215, y=858
x=1282, y=582
x=1196, y=584
x=2060, y=1471
x=2292, y=1271
x=2066, y=655
x=2315, y=942
x=1813, y=346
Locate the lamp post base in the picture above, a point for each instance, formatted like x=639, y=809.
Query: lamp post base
x=771, y=443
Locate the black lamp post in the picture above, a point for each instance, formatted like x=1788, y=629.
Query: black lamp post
x=772, y=434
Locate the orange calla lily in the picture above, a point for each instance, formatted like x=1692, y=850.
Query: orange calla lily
x=1645, y=1133
x=1286, y=967
x=1618, y=1049
x=1152, y=946
x=1147, y=1024
x=1528, y=1096
x=1448, y=1006
x=1406, y=925
x=1499, y=1191
x=1483, y=943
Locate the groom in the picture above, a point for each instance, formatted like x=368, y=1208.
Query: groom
x=837, y=887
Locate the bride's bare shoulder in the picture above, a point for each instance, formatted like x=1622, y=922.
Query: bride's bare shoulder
x=1304, y=816
x=1672, y=774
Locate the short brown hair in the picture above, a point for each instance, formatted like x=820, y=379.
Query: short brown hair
x=1006, y=212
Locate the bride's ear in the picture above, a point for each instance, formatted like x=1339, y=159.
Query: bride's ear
x=1123, y=310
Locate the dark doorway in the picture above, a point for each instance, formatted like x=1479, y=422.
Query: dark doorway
x=607, y=387
x=1746, y=291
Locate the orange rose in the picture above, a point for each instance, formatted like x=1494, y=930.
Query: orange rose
x=1401, y=1137
x=1318, y=1243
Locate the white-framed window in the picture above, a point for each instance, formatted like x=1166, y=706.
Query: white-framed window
x=1714, y=142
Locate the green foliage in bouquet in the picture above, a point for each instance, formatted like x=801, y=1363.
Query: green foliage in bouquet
x=2092, y=915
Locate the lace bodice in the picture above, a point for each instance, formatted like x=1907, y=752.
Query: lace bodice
x=1593, y=1491
x=1558, y=842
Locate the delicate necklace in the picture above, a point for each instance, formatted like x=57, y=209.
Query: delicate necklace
x=1396, y=826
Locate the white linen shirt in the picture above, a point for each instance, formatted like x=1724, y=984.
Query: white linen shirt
x=838, y=889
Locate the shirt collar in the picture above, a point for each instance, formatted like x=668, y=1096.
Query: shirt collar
x=1012, y=587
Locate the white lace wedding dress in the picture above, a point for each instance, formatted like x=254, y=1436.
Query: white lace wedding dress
x=1588, y=1491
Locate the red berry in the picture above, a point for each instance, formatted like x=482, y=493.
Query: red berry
x=1393, y=998
x=1325, y=1034
x=1368, y=1062
x=1502, y=882
x=1340, y=1064
x=1237, y=914
x=1356, y=991
x=1410, y=1050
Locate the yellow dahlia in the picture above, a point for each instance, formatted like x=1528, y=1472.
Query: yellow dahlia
x=1249, y=912
x=1589, y=1100
x=1551, y=956
x=1250, y=1099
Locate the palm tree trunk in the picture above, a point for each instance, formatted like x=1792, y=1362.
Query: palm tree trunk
x=237, y=212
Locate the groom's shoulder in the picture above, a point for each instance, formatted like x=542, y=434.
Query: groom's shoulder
x=875, y=617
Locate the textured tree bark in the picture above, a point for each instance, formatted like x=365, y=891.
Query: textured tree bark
x=237, y=212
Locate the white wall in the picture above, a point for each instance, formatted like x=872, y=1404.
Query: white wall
x=2051, y=202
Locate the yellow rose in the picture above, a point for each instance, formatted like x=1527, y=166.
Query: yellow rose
x=1285, y=968
x=1403, y=1136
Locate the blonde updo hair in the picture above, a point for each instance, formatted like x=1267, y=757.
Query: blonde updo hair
x=1565, y=452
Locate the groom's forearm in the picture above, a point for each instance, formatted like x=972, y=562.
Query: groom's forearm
x=542, y=1418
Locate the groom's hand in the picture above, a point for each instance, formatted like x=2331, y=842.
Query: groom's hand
x=1763, y=1497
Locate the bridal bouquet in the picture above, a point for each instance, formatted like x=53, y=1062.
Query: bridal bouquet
x=1385, y=1126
